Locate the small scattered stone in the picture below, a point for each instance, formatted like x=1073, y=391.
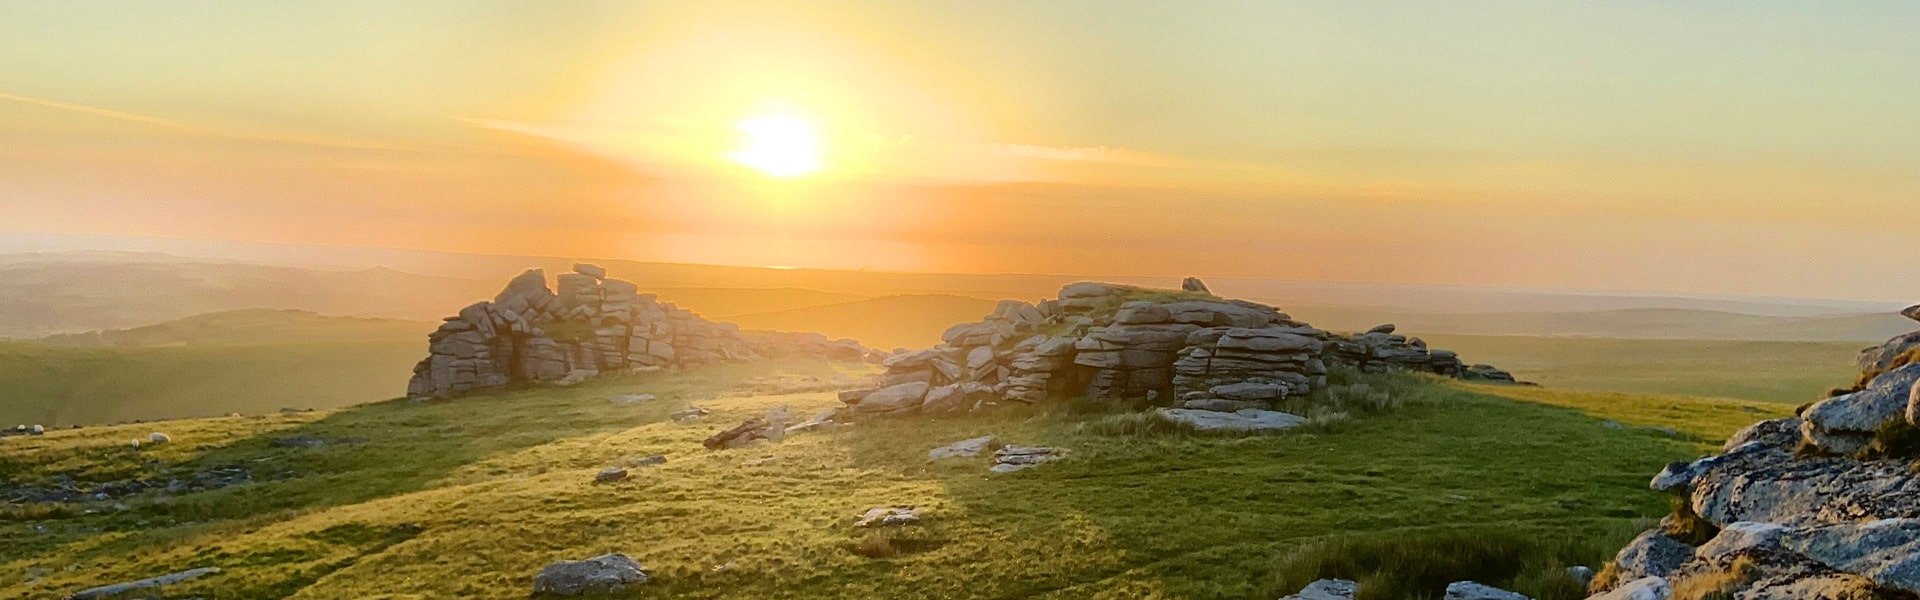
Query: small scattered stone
x=647, y=461
x=888, y=515
x=610, y=475
x=1582, y=575
x=1327, y=589
x=691, y=413
x=759, y=461
x=1468, y=590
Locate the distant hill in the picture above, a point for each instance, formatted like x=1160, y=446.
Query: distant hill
x=251, y=326
x=712, y=301
x=1643, y=323
x=910, y=321
x=47, y=297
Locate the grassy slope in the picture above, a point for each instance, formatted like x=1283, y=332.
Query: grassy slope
x=64, y=385
x=253, y=326
x=1788, y=372
x=914, y=321
x=491, y=488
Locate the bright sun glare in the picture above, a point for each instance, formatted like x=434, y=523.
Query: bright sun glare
x=779, y=146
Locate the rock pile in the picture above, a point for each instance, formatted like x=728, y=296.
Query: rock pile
x=1107, y=341
x=1822, y=505
x=590, y=325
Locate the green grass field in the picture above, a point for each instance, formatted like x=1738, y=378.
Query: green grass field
x=67, y=385
x=470, y=498
x=1786, y=372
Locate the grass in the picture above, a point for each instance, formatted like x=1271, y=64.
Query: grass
x=59, y=386
x=470, y=498
x=1786, y=372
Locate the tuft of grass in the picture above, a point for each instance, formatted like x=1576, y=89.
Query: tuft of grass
x=1688, y=526
x=1717, y=585
x=1894, y=439
x=897, y=542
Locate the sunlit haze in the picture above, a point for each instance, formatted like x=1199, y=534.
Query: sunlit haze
x=1753, y=148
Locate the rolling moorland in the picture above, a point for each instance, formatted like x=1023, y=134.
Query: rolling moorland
x=214, y=364
x=1506, y=484
x=1404, y=482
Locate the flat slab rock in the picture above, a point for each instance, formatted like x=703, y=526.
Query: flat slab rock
x=888, y=515
x=1015, y=458
x=604, y=574
x=967, y=448
x=1248, y=419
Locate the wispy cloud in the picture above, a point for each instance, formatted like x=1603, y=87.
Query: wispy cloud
x=250, y=135
x=1099, y=154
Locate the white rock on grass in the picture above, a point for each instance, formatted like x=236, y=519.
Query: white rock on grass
x=605, y=574
x=888, y=515
x=1251, y=419
x=1015, y=458
x=967, y=448
x=1327, y=589
x=1469, y=590
x=1645, y=588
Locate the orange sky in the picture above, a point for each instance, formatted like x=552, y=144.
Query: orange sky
x=1758, y=149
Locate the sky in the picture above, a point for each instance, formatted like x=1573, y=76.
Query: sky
x=1767, y=148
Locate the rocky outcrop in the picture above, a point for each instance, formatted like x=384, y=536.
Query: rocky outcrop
x=1107, y=341
x=587, y=325
x=1823, y=505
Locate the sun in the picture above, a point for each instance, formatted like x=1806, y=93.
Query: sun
x=779, y=146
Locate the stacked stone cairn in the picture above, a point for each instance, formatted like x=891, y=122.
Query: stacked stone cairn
x=590, y=325
x=1823, y=505
x=1107, y=341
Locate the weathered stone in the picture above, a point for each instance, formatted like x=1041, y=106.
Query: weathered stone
x=1652, y=554
x=1014, y=458
x=1645, y=588
x=881, y=516
x=895, y=399
x=956, y=397
x=1468, y=590
x=1250, y=391
x=1779, y=434
x=1886, y=551
x=1846, y=423
x=1193, y=284
x=610, y=475
x=967, y=448
x=1327, y=589
x=605, y=574
x=1242, y=420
